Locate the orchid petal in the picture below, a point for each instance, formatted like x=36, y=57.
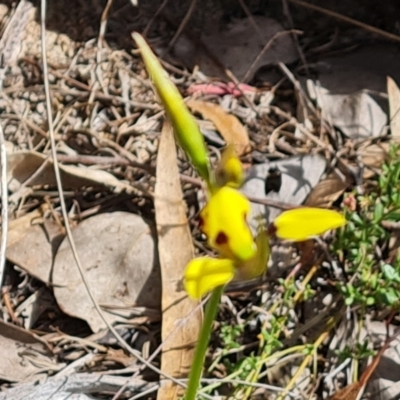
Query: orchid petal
x=204, y=274
x=223, y=220
x=257, y=265
x=304, y=223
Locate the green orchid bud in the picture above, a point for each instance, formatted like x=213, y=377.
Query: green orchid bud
x=185, y=127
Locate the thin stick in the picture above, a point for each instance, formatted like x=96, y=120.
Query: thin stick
x=268, y=45
x=103, y=24
x=286, y=12
x=251, y=18
x=349, y=20
x=156, y=14
x=64, y=211
x=183, y=24
x=4, y=205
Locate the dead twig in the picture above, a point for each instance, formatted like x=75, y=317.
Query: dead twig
x=103, y=24
x=156, y=14
x=288, y=15
x=182, y=25
x=254, y=64
x=4, y=204
x=349, y=20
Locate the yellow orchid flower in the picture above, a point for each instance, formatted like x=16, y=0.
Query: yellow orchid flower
x=304, y=223
x=185, y=126
x=223, y=220
x=229, y=171
x=204, y=274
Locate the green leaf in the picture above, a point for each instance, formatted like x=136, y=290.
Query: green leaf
x=390, y=273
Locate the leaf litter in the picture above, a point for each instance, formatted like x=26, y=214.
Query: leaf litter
x=108, y=126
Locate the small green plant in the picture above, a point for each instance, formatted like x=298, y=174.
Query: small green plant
x=364, y=243
x=230, y=334
x=358, y=352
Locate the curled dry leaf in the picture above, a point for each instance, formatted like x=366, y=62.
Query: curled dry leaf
x=326, y=192
x=119, y=256
x=37, y=169
x=394, y=107
x=29, y=245
x=175, y=248
x=372, y=157
x=229, y=126
x=383, y=383
x=357, y=115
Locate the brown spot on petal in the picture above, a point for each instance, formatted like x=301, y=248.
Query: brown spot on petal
x=221, y=238
x=201, y=222
x=272, y=230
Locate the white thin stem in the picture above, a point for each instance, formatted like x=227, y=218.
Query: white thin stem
x=4, y=205
x=64, y=211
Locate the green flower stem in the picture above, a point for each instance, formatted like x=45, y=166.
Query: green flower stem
x=202, y=344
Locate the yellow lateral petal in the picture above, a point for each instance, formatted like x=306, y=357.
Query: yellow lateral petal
x=223, y=220
x=204, y=274
x=303, y=223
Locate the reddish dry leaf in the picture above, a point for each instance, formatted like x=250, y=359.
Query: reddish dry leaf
x=180, y=321
x=352, y=391
x=221, y=89
x=348, y=393
x=230, y=128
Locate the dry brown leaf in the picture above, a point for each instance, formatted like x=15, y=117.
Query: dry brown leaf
x=37, y=169
x=394, y=107
x=373, y=156
x=357, y=114
x=230, y=128
x=29, y=245
x=326, y=192
x=175, y=249
x=237, y=46
x=118, y=253
x=23, y=354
